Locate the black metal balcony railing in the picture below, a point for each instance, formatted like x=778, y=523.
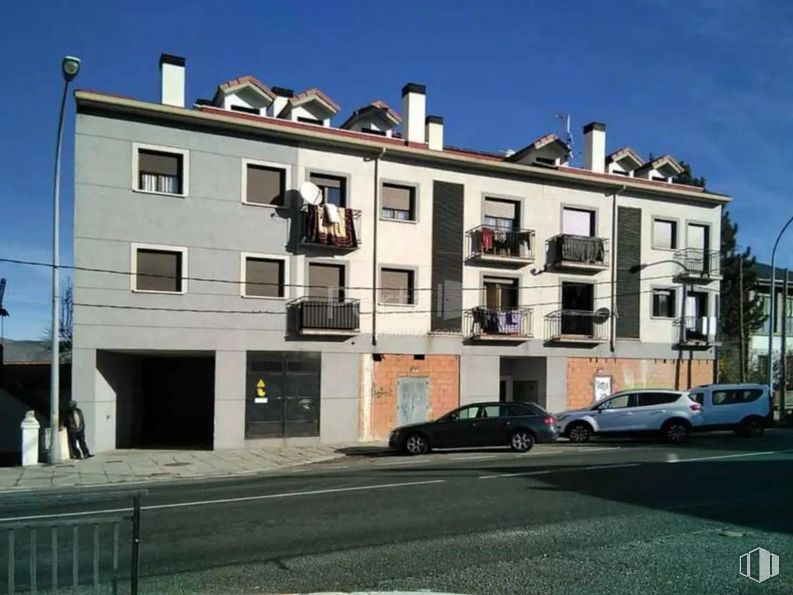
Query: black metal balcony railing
x=320, y=230
x=327, y=314
x=489, y=243
x=565, y=250
x=491, y=323
x=696, y=263
x=702, y=331
x=576, y=326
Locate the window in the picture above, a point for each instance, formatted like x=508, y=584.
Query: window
x=245, y=109
x=501, y=214
x=333, y=188
x=465, y=413
x=160, y=171
x=521, y=410
x=399, y=202
x=306, y=120
x=620, y=402
x=326, y=281
x=264, y=277
x=698, y=398
x=649, y=399
x=370, y=130
x=264, y=185
x=157, y=269
x=492, y=411
x=500, y=294
x=664, y=303
x=735, y=396
x=578, y=222
x=396, y=286
x=664, y=234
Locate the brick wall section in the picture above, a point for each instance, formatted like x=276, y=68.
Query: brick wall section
x=443, y=372
x=632, y=373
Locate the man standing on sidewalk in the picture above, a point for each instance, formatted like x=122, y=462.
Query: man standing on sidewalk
x=75, y=427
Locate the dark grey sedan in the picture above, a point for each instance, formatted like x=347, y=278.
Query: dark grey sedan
x=517, y=425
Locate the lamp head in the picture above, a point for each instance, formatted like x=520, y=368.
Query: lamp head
x=70, y=67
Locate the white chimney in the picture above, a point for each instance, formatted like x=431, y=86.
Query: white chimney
x=172, y=80
x=435, y=132
x=414, y=109
x=282, y=97
x=595, y=147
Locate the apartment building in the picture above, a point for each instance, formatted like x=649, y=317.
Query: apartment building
x=220, y=301
x=783, y=326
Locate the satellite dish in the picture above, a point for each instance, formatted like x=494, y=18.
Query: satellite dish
x=602, y=315
x=310, y=193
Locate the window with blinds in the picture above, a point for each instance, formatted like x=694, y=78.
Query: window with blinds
x=326, y=281
x=159, y=171
x=500, y=294
x=333, y=188
x=158, y=270
x=578, y=222
x=396, y=286
x=264, y=277
x=501, y=214
x=398, y=202
x=265, y=185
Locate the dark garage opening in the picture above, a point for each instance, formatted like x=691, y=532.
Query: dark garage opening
x=162, y=401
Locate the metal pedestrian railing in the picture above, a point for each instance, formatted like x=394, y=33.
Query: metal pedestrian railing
x=490, y=243
x=92, y=542
x=696, y=263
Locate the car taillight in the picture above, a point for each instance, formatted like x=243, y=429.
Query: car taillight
x=695, y=407
x=550, y=420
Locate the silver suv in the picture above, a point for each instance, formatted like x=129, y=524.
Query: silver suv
x=670, y=412
x=745, y=408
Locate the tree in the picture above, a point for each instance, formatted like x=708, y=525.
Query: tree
x=731, y=298
x=687, y=177
x=65, y=327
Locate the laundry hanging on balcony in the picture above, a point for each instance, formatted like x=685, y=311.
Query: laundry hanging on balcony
x=498, y=322
x=330, y=225
x=583, y=249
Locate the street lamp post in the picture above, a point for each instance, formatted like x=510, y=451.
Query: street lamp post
x=69, y=68
x=772, y=311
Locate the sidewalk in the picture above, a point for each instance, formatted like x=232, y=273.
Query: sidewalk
x=140, y=466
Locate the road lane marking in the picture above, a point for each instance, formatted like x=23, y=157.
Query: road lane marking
x=735, y=456
x=378, y=486
x=416, y=462
x=522, y=474
x=616, y=466
x=560, y=470
x=473, y=457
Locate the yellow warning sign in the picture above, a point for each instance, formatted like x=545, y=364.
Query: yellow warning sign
x=260, y=392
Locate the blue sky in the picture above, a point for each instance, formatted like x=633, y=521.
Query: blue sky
x=708, y=82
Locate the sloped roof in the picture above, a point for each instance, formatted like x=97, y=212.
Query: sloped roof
x=549, y=140
x=660, y=162
x=623, y=153
x=310, y=95
x=243, y=81
x=378, y=107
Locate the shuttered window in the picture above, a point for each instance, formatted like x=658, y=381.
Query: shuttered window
x=578, y=222
x=265, y=185
x=501, y=214
x=334, y=189
x=396, y=286
x=399, y=202
x=264, y=277
x=500, y=294
x=159, y=171
x=664, y=303
x=326, y=281
x=158, y=270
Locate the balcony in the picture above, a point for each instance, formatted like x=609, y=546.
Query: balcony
x=697, y=332
x=488, y=324
x=499, y=246
x=580, y=253
x=327, y=316
x=698, y=265
x=576, y=326
x=319, y=231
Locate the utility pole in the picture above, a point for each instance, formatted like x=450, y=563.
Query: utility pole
x=742, y=346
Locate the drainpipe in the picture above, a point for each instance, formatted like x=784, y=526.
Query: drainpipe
x=376, y=219
x=613, y=328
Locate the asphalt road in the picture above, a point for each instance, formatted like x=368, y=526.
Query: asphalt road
x=609, y=517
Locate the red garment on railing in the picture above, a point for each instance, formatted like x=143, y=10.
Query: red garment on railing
x=487, y=238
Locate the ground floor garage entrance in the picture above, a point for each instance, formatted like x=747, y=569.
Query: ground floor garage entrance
x=163, y=400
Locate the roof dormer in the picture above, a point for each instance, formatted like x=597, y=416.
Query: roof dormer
x=547, y=150
x=375, y=118
x=662, y=169
x=244, y=94
x=310, y=107
x=624, y=161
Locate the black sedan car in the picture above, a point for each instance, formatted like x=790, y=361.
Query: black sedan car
x=518, y=425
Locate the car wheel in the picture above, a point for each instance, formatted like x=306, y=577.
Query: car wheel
x=579, y=432
x=752, y=427
x=676, y=431
x=521, y=441
x=417, y=444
